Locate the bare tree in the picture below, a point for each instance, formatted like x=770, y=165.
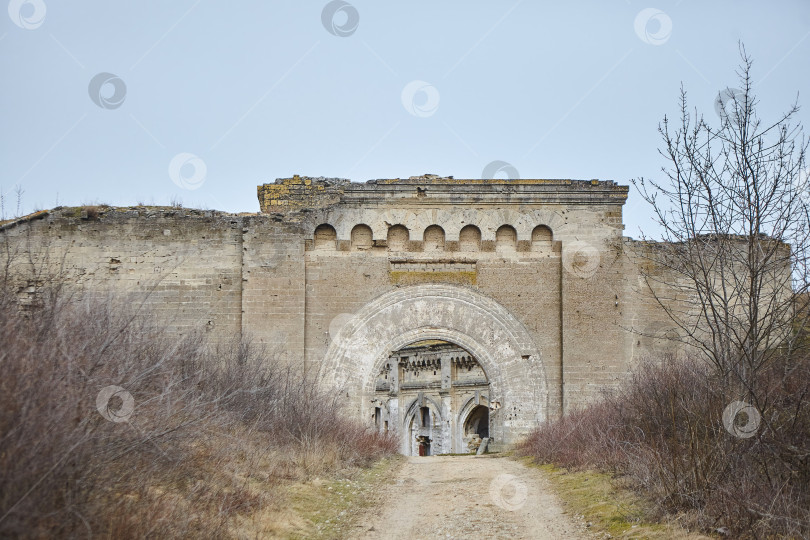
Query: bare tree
x=733, y=208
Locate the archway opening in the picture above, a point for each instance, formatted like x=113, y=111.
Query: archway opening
x=325, y=237
x=506, y=239
x=433, y=239
x=398, y=237
x=362, y=238
x=424, y=391
x=476, y=427
x=542, y=238
x=469, y=238
x=493, y=336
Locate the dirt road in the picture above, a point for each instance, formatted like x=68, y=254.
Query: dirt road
x=468, y=497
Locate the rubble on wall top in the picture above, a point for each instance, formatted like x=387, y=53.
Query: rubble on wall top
x=107, y=213
x=449, y=180
x=304, y=193
x=329, y=181
x=430, y=178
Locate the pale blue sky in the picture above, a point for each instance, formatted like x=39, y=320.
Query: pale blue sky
x=261, y=90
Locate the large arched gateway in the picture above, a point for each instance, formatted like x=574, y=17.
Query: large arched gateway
x=431, y=381
x=452, y=309
x=517, y=395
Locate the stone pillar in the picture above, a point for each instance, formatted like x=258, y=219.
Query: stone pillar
x=393, y=364
x=394, y=421
x=447, y=375
x=448, y=422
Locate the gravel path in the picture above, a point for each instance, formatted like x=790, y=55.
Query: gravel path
x=468, y=497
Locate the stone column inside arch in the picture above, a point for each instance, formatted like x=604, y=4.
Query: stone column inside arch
x=395, y=422
x=448, y=422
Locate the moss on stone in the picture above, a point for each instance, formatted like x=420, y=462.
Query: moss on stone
x=412, y=278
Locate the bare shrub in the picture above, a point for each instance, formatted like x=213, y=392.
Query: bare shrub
x=174, y=451
x=664, y=430
x=732, y=209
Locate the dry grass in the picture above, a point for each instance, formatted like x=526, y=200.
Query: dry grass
x=214, y=440
x=609, y=506
x=330, y=508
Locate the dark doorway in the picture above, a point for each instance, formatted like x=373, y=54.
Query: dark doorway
x=424, y=445
x=478, y=422
x=425, y=414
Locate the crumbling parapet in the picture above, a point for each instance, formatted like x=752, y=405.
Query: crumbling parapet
x=299, y=192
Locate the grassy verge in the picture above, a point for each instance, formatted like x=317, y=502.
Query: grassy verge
x=613, y=510
x=327, y=509
x=255, y=494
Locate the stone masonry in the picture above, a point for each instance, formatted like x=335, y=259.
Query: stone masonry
x=529, y=283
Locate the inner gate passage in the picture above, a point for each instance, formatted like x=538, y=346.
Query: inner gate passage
x=438, y=394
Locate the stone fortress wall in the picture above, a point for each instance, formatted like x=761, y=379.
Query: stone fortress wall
x=532, y=277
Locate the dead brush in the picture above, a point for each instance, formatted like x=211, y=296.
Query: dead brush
x=196, y=439
x=664, y=431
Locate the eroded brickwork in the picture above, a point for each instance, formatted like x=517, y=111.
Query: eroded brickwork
x=533, y=278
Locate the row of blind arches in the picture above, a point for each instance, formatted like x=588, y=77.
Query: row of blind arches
x=433, y=239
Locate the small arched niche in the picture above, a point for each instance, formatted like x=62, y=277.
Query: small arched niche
x=469, y=238
x=434, y=238
x=542, y=238
x=398, y=237
x=477, y=422
x=325, y=237
x=506, y=239
x=362, y=238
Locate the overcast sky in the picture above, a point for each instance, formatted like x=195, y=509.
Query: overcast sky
x=201, y=100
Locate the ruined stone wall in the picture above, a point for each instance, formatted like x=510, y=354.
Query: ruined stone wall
x=533, y=274
x=183, y=264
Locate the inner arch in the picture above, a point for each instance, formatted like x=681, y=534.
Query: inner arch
x=419, y=390
x=458, y=315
